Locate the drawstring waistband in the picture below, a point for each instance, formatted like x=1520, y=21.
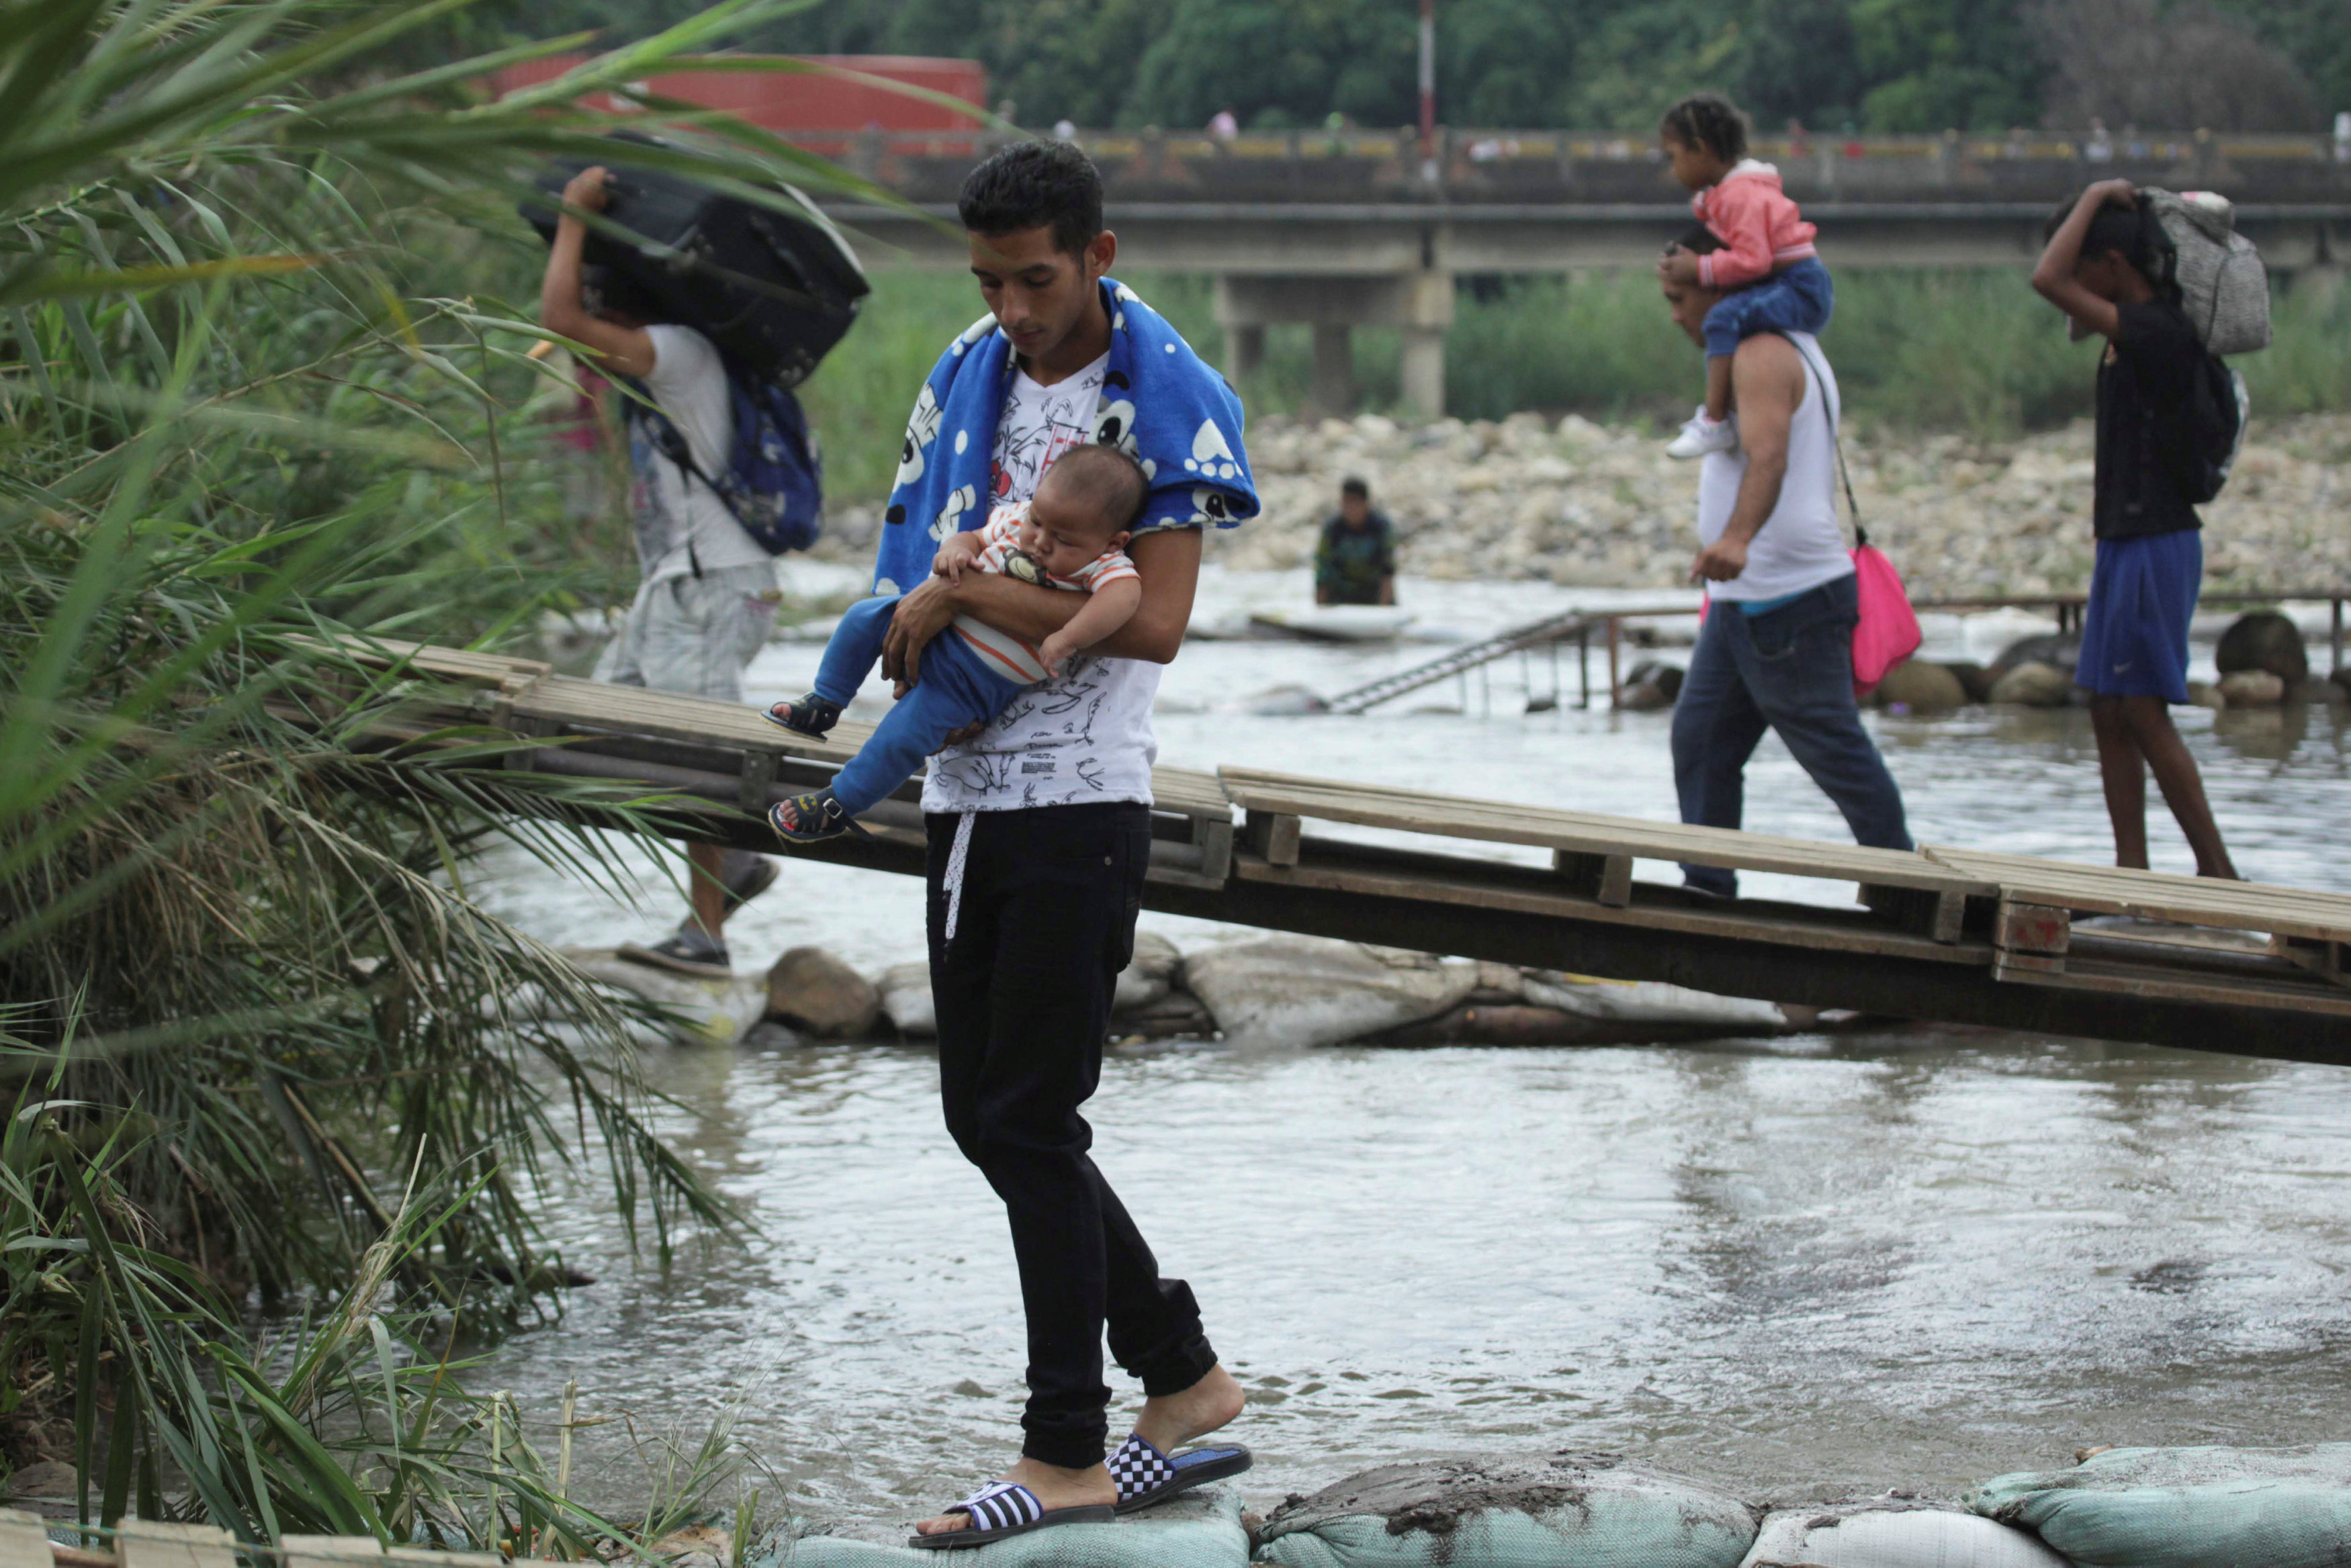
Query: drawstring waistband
x=957, y=853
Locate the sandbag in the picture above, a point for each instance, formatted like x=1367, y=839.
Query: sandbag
x=1311, y=990
x=2223, y=288
x=1890, y=1534
x=1562, y=1511
x=2187, y=1508
x=1199, y=1530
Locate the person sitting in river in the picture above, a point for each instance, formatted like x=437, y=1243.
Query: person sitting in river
x=1354, y=561
x=1072, y=534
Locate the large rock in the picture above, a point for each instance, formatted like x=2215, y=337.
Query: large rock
x=1973, y=678
x=2033, y=684
x=1147, y=1002
x=1919, y=687
x=700, y=1012
x=813, y=991
x=1666, y=678
x=906, y=992
x=1310, y=990
x=2263, y=639
x=1149, y=974
x=2252, y=688
x=2324, y=691
x=2061, y=648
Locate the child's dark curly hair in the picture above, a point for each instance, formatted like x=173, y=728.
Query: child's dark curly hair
x=1710, y=120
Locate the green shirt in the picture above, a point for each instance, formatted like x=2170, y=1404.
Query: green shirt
x=1350, y=564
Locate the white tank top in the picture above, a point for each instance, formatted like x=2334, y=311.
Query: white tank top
x=1802, y=546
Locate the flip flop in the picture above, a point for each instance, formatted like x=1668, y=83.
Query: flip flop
x=1007, y=1507
x=1146, y=1476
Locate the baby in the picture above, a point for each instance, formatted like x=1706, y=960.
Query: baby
x=1072, y=534
x=1767, y=258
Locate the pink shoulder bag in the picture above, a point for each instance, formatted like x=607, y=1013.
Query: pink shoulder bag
x=1887, y=632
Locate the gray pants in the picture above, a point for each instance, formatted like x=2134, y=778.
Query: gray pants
x=694, y=635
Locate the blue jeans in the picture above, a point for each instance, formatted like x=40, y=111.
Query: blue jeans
x=1799, y=298
x=955, y=690
x=1789, y=670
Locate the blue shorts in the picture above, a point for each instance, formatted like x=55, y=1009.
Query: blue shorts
x=2142, y=596
x=1799, y=298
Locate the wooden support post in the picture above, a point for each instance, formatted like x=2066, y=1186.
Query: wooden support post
x=2029, y=939
x=1215, y=841
x=1615, y=682
x=1604, y=878
x=758, y=778
x=1273, y=836
x=2335, y=633
x=1584, y=664
x=2328, y=961
x=140, y=1545
x=1941, y=915
x=331, y=1551
x=23, y=1540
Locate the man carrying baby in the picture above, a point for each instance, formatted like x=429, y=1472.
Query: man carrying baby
x=1072, y=535
x=1039, y=824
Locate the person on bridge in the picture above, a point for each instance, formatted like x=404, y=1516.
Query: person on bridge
x=1764, y=271
x=1039, y=824
x=2099, y=268
x=1354, y=561
x=708, y=593
x=1775, y=648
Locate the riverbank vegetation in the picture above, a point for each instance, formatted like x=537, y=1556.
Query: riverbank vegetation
x=1973, y=352
x=280, y=1104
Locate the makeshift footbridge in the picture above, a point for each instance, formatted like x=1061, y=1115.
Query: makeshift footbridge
x=1945, y=934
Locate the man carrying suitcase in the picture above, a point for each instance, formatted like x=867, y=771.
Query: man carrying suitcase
x=708, y=593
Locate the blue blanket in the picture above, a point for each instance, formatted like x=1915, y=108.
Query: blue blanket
x=1160, y=402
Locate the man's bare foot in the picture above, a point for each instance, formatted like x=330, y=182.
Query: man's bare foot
x=1171, y=1420
x=1055, y=1488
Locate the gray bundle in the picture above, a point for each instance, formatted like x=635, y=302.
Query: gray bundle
x=2223, y=288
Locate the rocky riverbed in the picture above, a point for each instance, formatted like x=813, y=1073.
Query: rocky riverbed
x=1584, y=504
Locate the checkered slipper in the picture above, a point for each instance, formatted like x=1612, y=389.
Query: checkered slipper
x=1007, y=1507
x=1146, y=1476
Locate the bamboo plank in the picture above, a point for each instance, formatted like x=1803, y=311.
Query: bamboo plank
x=23, y=1540
x=2157, y=895
x=142, y=1544
x=1590, y=832
x=426, y=1557
x=331, y=1551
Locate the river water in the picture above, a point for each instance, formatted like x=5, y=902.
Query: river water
x=1792, y=1267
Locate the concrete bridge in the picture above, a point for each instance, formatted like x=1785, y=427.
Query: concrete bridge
x=1338, y=230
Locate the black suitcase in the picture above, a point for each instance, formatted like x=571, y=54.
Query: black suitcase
x=773, y=291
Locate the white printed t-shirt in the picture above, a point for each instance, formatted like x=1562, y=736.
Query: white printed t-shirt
x=1085, y=735
x=1001, y=652
x=688, y=380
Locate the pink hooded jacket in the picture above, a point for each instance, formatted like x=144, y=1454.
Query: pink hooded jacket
x=1759, y=227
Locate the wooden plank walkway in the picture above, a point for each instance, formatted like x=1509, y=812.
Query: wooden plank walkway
x=1949, y=934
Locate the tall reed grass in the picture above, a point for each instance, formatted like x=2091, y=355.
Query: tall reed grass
x=259, y=1051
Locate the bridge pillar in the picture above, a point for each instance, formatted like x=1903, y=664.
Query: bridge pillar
x=1244, y=354
x=1332, y=395
x=1419, y=302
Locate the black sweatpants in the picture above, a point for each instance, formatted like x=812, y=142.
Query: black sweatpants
x=1044, y=922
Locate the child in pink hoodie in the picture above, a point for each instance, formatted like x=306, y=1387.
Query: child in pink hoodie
x=1765, y=259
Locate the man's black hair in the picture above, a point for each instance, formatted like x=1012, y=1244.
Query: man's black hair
x=2127, y=230
x=1035, y=185
x=1107, y=479
x=1351, y=485
x=1698, y=239
x=1710, y=120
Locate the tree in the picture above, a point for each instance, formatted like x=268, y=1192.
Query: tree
x=2128, y=62
x=1939, y=63
x=1801, y=63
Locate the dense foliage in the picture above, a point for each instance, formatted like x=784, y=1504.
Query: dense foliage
x=1880, y=65
x=258, y=1049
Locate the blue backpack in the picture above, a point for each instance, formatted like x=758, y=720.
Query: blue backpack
x=774, y=479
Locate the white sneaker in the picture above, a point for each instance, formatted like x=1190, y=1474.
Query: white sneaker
x=1703, y=435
